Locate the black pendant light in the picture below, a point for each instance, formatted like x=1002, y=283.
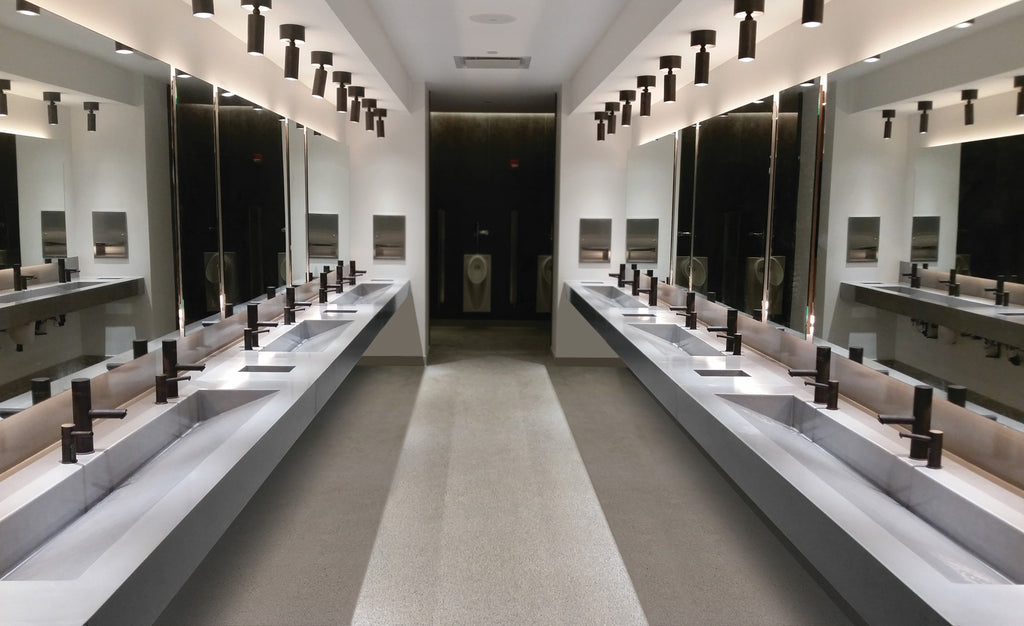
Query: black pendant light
x=356, y=92
x=600, y=117
x=51, y=98
x=369, y=104
x=202, y=8
x=644, y=84
x=256, y=24
x=702, y=39
x=293, y=35
x=321, y=61
x=627, y=96
x=814, y=13
x=5, y=85
x=669, y=63
x=924, y=106
x=969, y=96
x=120, y=48
x=343, y=79
x=611, y=110
x=888, y=114
x=90, y=115
x=1018, y=83
x=380, y=114
x=26, y=8
x=747, y=10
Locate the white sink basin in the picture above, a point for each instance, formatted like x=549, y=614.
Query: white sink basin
x=674, y=338
x=615, y=295
x=954, y=531
x=307, y=336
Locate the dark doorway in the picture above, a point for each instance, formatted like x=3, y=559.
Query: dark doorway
x=492, y=193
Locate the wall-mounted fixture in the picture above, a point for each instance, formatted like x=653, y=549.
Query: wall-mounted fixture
x=256, y=23
x=747, y=10
x=389, y=237
x=969, y=96
x=381, y=114
x=51, y=98
x=120, y=48
x=600, y=117
x=321, y=60
x=924, y=106
x=814, y=13
x=924, y=238
x=322, y=235
x=293, y=35
x=965, y=24
x=53, y=225
x=862, y=239
x=873, y=59
x=90, y=115
x=343, y=79
x=370, y=104
x=641, y=240
x=26, y=8
x=888, y=114
x=645, y=84
x=627, y=96
x=5, y=85
x=356, y=92
x=202, y=8
x=667, y=64
x=611, y=109
x=595, y=239
x=1018, y=83
x=702, y=39
x=110, y=234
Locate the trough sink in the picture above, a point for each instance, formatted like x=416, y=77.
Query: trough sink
x=361, y=293
x=672, y=338
x=44, y=292
x=615, y=295
x=308, y=336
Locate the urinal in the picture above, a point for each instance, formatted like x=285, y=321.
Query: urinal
x=754, y=284
x=476, y=283
x=545, y=276
x=698, y=265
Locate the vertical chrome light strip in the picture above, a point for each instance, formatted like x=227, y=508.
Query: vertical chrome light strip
x=513, y=258
x=440, y=255
x=772, y=158
x=217, y=183
x=693, y=204
x=812, y=270
x=305, y=168
x=673, y=245
x=179, y=290
x=288, y=202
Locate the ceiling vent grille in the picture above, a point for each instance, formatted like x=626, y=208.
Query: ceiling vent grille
x=492, y=63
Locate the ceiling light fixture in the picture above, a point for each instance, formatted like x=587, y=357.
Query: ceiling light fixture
x=627, y=96
x=873, y=59
x=969, y=96
x=669, y=63
x=343, y=79
x=293, y=35
x=369, y=104
x=120, y=48
x=1018, y=83
x=965, y=24
x=702, y=39
x=611, y=109
x=645, y=83
x=26, y=8
x=90, y=116
x=202, y=8
x=924, y=106
x=321, y=60
x=356, y=92
x=381, y=114
x=747, y=10
x=256, y=23
x=51, y=98
x=5, y=85
x=888, y=114
x=181, y=74
x=600, y=117
x=807, y=83
x=814, y=13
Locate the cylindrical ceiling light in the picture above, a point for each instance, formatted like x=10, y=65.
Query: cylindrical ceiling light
x=321, y=60
x=969, y=96
x=293, y=35
x=747, y=10
x=51, y=98
x=380, y=115
x=5, y=85
x=90, y=116
x=1018, y=83
x=627, y=96
x=120, y=48
x=645, y=83
x=702, y=39
x=343, y=79
x=356, y=92
x=814, y=13
x=669, y=63
x=256, y=24
x=369, y=104
x=888, y=114
x=26, y=8
x=202, y=8
x=599, y=116
x=924, y=106
x=611, y=109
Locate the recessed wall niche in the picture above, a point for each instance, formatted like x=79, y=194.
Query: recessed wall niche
x=55, y=234
x=595, y=240
x=924, y=239
x=862, y=239
x=110, y=234
x=323, y=235
x=389, y=237
x=642, y=240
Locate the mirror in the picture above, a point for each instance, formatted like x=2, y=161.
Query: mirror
x=989, y=217
x=689, y=271
x=595, y=240
x=10, y=248
x=328, y=197
x=650, y=170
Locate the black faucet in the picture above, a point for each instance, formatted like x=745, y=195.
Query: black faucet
x=339, y=275
x=291, y=306
x=651, y=291
x=915, y=280
x=933, y=441
x=352, y=271
x=621, y=276
x=920, y=421
x=162, y=385
x=172, y=367
x=689, y=311
x=822, y=367
x=831, y=389
x=1002, y=297
x=40, y=389
x=731, y=325
x=252, y=323
x=856, y=354
x=953, y=286
x=17, y=277
x=634, y=284
x=80, y=434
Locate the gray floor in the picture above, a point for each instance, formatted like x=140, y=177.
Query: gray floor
x=495, y=487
